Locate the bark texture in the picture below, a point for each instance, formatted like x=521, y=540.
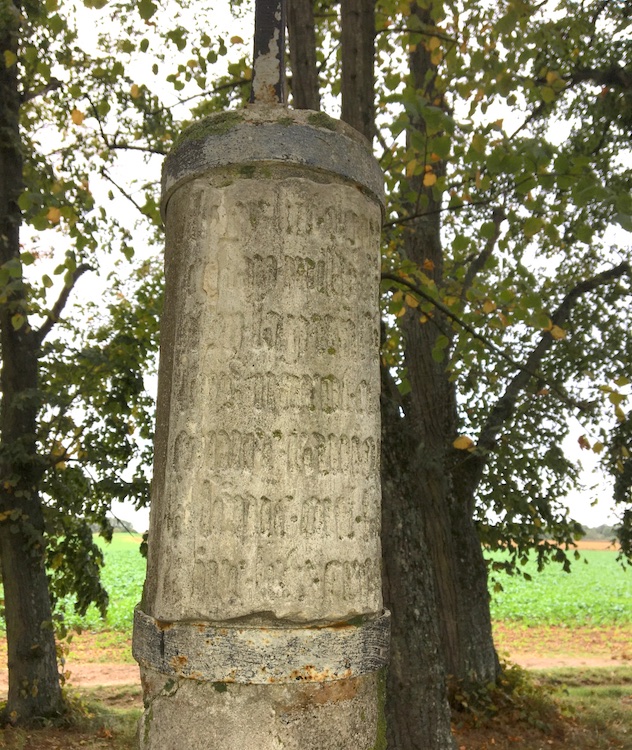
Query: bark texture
x=34, y=690
x=443, y=498
x=417, y=710
x=302, y=37
x=357, y=53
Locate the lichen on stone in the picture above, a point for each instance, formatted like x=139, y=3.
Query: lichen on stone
x=211, y=125
x=321, y=120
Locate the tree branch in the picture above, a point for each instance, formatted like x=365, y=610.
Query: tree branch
x=123, y=192
x=52, y=85
x=615, y=75
x=477, y=265
x=57, y=309
x=506, y=405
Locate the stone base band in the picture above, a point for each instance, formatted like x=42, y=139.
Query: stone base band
x=261, y=655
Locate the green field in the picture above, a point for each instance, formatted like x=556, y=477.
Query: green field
x=596, y=592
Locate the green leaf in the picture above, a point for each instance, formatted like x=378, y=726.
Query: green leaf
x=146, y=9
x=532, y=226
x=17, y=321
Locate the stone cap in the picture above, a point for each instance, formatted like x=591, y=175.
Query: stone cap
x=272, y=135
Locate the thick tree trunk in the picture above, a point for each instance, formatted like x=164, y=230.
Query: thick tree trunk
x=302, y=36
x=445, y=501
x=418, y=714
x=34, y=690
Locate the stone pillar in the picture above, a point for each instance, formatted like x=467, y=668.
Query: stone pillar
x=261, y=624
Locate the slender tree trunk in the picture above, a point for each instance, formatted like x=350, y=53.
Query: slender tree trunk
x=358, y=53
x=302, y=36
x=34, y=690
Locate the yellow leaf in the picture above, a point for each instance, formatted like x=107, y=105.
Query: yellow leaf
x=77, y=116
x=598, y=447
x=411, y=301
x=557, y=332
x=429, y=179
x=428, y=264
x=489, y=306
x=236, y=40
x=398, y=296
x=551, y=76
x=410, y=167
x=616, y=398
x=400, y=312
x=619, y=413
x=135, y=91
x=477, y=180
x=53, y=215
x=10, y=58
x=463, y=443
x=433, y=43
x=436, y=57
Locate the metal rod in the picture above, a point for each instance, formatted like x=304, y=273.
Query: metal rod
x=268, y=70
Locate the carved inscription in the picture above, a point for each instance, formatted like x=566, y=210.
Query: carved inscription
x=304, y=453
x=271, y=496
x=275, y=392
x=282, y=585
x=225, y=514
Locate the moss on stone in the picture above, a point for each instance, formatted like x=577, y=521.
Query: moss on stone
x=212, y=125
x=248, y=171
x=221, y=687
x=285, y=121
x=380, y=735
x=321, y=120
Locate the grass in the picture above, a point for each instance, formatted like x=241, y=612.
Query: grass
x=99, y=718
x=123, y=577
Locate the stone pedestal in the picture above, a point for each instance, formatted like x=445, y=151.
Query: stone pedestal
x=261, y=624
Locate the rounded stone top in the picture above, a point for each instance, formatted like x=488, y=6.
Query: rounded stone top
x=272, y=135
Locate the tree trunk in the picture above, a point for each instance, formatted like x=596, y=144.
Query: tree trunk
x=34, y=690
x=446, y=503
x=302, y=37
x=417, y=711
x=358, y=80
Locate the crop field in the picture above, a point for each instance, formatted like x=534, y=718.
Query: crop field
x=596, y=592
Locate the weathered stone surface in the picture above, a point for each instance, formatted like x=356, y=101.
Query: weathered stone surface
x=254, y=654
x=316, y=716
x=266, y=497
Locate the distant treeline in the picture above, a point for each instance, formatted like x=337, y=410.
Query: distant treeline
x=599, y=532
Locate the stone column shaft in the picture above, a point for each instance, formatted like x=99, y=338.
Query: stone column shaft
x=261, y=624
